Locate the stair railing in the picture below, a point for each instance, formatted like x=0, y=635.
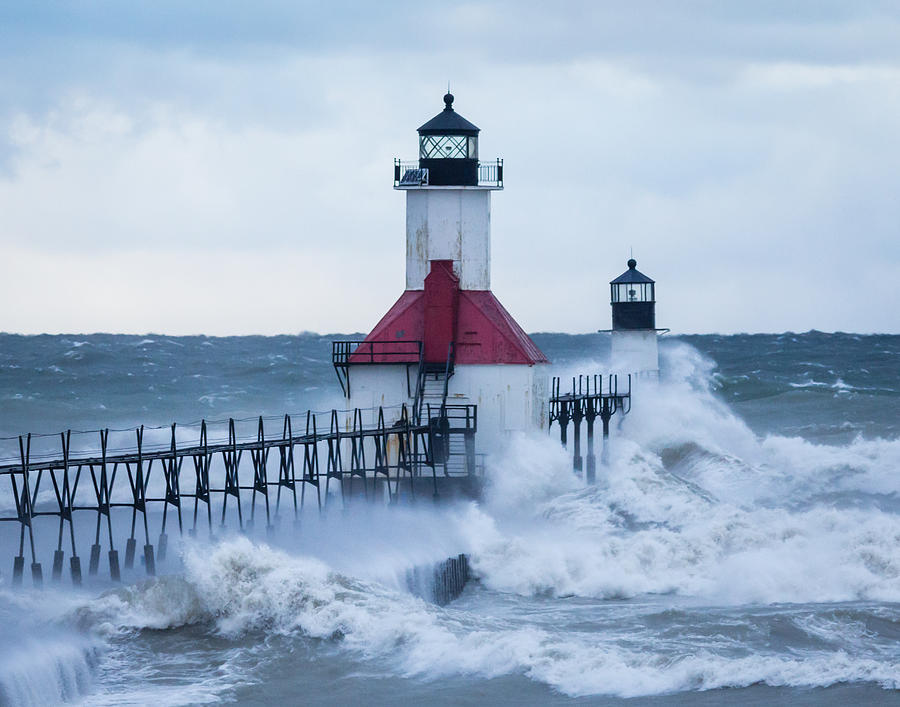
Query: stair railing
x=420, y=389
x=448, y=370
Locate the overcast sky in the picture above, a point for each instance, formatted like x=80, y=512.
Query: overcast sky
x=225, y=168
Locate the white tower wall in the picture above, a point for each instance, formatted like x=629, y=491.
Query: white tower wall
x=381, y=385
x=449, y=223
x=510, y=398
x=635, y=351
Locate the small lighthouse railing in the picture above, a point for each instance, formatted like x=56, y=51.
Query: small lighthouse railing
x=352, y=353
x=590, y=398
x=490, y=174
x=408, y=174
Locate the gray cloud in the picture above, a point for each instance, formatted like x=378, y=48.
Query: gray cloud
x=746, y=151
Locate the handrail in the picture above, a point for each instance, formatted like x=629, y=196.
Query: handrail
x=420, y=382
x=490, y=174
x=420, y=388
x=588, y=391
x=464, y=412
x=345, y=353
x=366, y=352
x=448, y=370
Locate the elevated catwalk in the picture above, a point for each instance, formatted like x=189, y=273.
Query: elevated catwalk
x=391, y=457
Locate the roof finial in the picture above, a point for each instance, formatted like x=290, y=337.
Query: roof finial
x=448, y=98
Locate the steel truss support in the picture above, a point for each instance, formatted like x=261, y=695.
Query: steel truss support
x=590, y=397
x=397, y=454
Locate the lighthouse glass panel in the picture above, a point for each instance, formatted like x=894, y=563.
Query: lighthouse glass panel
x=632, y=292
x=441, y=147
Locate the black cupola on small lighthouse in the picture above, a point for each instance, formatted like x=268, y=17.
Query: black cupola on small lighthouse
x=633, y=300
x=634, y=334
x=448, y=148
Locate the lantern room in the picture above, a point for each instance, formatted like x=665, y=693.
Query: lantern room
x=448, y=148
x=633, y=300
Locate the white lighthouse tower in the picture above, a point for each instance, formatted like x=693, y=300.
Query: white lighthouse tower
x=448, y=338
x=635, y=347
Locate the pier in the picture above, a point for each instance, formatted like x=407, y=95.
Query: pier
x=381, y=454
x=590, y=397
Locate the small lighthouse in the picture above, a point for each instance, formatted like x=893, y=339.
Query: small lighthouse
x=447, y=339
x=634, y=333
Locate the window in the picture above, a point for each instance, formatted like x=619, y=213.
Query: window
x=632, y=292
x=447, y=146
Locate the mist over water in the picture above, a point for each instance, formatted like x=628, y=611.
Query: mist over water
x=745, y=534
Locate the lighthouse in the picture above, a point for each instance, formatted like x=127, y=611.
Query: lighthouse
x=447, y=339
x=634, y=333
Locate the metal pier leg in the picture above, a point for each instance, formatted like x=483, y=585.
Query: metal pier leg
x=140, y=500
x=94, y=563
x=605, y=415
x=57, y=565
x=113, y=555
x=591, y=468
x=58, y=554
x=131, y=543
x=577, y=463
x=25, y=516
x=162, y=546
x=149, y=563
x=68, y=491
x=130, y=547
x=75, y=570
x=114, y=574
x=19, y=560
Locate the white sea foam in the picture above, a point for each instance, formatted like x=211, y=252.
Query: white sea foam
x=41, y=661
x=241, y=587
x=693, y=503
x=45, y=671
x=644, y=530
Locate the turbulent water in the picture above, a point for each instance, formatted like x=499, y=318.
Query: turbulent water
x=741, y=546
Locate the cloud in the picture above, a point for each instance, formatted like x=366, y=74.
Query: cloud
x=746, y=152
x=151, y=290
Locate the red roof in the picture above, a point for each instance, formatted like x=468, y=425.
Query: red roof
x=485, y=331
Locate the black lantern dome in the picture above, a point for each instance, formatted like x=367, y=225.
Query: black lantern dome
x=448, y=148
x=633, y=300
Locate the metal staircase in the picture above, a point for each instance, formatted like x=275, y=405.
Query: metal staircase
x=432, y=385
x=458, y=459
x=454, y=453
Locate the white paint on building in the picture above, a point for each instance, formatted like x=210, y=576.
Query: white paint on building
x=449, y=224
x=635, y=350
x=510, y=398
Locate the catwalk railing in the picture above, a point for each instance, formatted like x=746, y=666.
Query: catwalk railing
x=409, y=173
x=202, y=479
x=590, y=397
x=345, y=353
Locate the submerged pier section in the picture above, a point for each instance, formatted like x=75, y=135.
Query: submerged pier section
x=207, y=476
x=590, y=397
